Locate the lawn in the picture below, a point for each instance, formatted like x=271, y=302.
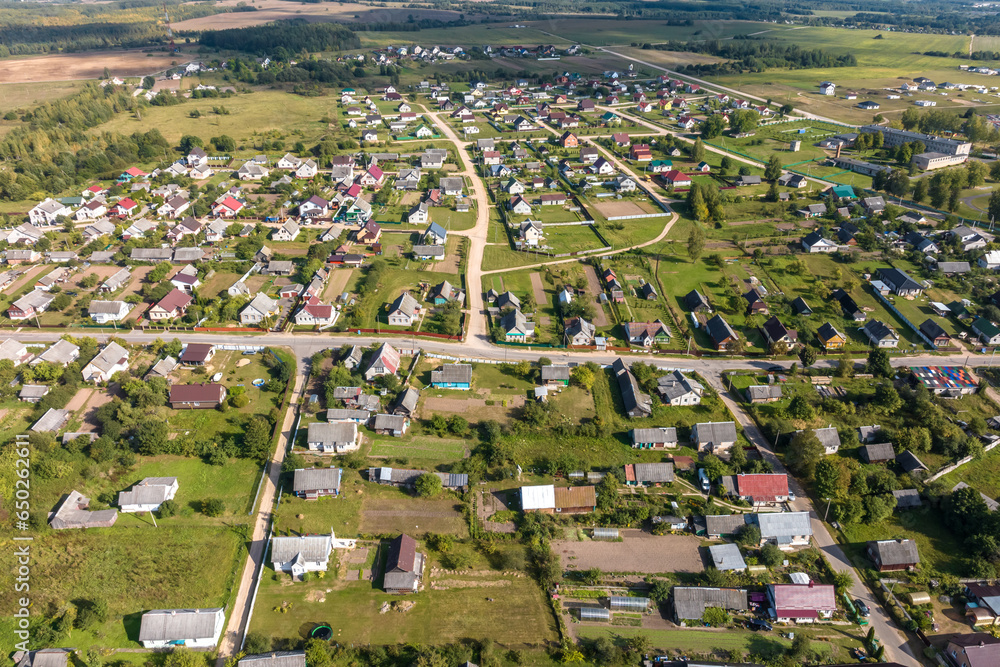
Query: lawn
x=402, y=513
x=512, y=612
x=776, y=139
x=938, y=547
x=373, y=309
x=429, y=448
x=570, y=239
x=983, y=475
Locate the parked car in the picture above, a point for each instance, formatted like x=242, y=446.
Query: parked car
x=758, y=624
x=862, y=608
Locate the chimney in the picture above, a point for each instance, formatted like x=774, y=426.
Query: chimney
x=811, y=583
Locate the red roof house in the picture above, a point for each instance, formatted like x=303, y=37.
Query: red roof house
x=762, y=488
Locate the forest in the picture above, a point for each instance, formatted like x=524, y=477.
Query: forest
x=292, y=36
x=748, y=54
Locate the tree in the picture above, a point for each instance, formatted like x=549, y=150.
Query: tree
x=773, y=170
x=151, y=437
x=887, y=399
x=744, y=121
x=994, y=205
x=800, y=648
x=878, y=363
x=713, y=126
x=696, y=243
x=910, y=118
x=831, y=478
x=256, y=643
x=975, y=172
x=807, y=356
x=257, y=439
x=920, y=190
x=698, y=151
x=898, y=183
x=189, y=141
x=714, y=467
x=771, y=556
x=748, y=535
x=878, y=508
x=804, y=453
x=148, y=82
x=428, y=485
x=843, y=582
x=584, y=376
x=660, y=591
x=213, y=507
x=800, y=408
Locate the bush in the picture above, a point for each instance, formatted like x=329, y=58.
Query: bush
x=771, y=555
x=213, y=507
x=168, y=508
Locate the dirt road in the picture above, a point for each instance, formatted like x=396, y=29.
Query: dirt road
x=232, y=640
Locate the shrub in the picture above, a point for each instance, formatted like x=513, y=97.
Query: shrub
x=213, y=507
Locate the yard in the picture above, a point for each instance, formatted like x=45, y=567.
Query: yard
x=414, y=516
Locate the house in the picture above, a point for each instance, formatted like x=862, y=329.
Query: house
x=714, y=436
x=112, y=359
x=61, y=353
x=371, y=178
x=645, y=334
x=173, y=305
x=197, y=354
x=957, y=268
x=801, y=603
x=148, y=495
x=723, y=336
x=196, y=396
x=646, y=474
x=287, y=232
x=452, y=186
x=516, y=327
x=298, y=554
x=758, y=488
x=676, y=179
x=227, y=208
x=829, y=438
x=314, y=483
x=977, y=649
x=519, y=205
x=813, y=211
x=637, y=404
x=259, y=309
x=890, y=555
x=16, y=352
x=778, y=335
x=186, y=280
x=873, y=205
x=384, y=361
x=52, y=421
x=696, y=302
x=727, y=557
x=877, y=453
x=368, y=234
x=45, y=213
x=32, y=304
x=46, y=657
x=830, y=338
x=452, y=376
x=314, y=313
x=988, y=333
x=675, y=389
x=404, y=570
x=881, y=335
x=934, y=333
x=28, y=234
x=18, y=256
x=333, y=437
x=898, y=282
x=690, y=602
x=654, y=438
x=92, y=210
x=579, y=332
x=190, y=628
x=569, y=140
x=251, y=171
x=907, y=498
x=763, y=393
x=404, y=311
x=909, y=462
x=983, y=604
x=32, y=393
x=103, y=312
x=72, y=512
x=814, y=242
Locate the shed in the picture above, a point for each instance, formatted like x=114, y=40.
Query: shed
x=877, y=453
x=907, y=498
x=919, y=597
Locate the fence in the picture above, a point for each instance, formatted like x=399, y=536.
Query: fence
x=957, y=464
x=419, y=334
x=895, y=311
x=638, y=217
x=259, y=576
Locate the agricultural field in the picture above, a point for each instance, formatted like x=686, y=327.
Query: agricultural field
x=609, y=32
x=87, y=65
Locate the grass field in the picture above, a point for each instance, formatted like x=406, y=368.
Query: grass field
x=414, y=516
x=249, y=115
x=605, y=31
x=517, y=616
x=418, y=448
x=724, y=642
x=936, y=544
x=983, y=475
x=134, y=568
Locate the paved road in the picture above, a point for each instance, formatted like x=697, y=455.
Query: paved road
x=239, y=617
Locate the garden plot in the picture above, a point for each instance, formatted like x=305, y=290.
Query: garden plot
x=638, y=552
x=613, y=208
x=404, y=514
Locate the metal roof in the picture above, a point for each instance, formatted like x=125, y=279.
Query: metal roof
x=310, y=479
x=727, y=557
x=311, y=548
x=783, y=524
x=178, y=624
x=538, y=497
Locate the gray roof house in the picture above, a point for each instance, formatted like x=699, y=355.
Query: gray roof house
x=333, y=438
x=191, y=628
x=714, y=436
x=637, y=403
x=829, y=438
x=72, y=512
x=786, y=529
x=404, y=570
x=46, y=657
x=690, y=602
x=298, y=554
x=274, y=659
x=62, y=352
x=311, y=483
x=727, y=557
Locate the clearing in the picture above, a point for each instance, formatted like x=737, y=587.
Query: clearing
x=89, y=65
x=616, y=208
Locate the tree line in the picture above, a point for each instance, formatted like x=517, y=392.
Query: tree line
x=747, y=54
x=294, y=36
